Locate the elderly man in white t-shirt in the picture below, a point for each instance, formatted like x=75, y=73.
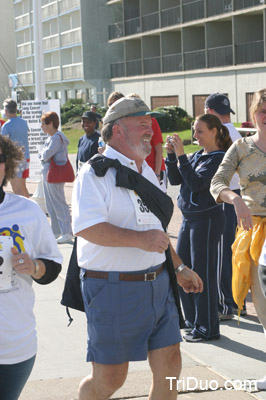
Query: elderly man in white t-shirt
x=121, y=246
x=219, y=105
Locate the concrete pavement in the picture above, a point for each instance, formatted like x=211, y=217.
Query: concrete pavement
x=209, y=369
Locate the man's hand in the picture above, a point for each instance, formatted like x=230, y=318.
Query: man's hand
x=189, y=281
x=154, y=240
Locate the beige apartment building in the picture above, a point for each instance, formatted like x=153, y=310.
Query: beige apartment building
x=180, y=51
x=77, y=54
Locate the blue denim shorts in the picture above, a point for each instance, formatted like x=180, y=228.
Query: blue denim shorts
x=126, y=319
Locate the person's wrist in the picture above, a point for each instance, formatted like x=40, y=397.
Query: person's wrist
x=180, y=268
x=36, y=267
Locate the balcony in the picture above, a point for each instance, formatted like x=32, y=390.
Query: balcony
x=193, y=10
x=240, y=4
x=132, y=26
x=51, y=42
x=116, y=30
x=194, y=60
x=150, y=22
x=72, y=71
x=52, y=74
x=49, y=10
x=219, y=7
x=24, y=49
x=220, y=56
x=171, y=16
x=67, y=5
x=25, y=78
x=251, y=52
x=152, y=65
x=172, y=62
x=22, y=21
x=118, y=70
x=133, y=67
x=71, y=37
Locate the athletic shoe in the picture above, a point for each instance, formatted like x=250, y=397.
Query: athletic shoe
x=225, y=317
x=189, y=337
x=261, y=384
x=67, y=238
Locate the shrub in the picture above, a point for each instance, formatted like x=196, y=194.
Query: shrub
x=174, y=119
x=74, y=108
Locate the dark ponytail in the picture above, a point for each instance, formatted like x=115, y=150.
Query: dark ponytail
x=223, y=139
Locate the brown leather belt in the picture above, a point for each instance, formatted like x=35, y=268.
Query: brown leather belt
x=149, y=276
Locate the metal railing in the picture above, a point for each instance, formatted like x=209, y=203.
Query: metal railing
x=194, y=60
x=51, y=42
x=249, y=52
x=22, y=21
x=24, y=49
x=72, y=71
x=132, y=26
x=66, y=5
x=152, y=65
x=133, y=67
x=116, y=30
x=171, y=16
x=172, y=62
x=49, y=10
x=240, y=4
x=219, y=7
x=71, y=37
x=52, y=74
x=220, y=56
x=26, y=78
x=118, y=70
x=150, y=21
x=193, y=10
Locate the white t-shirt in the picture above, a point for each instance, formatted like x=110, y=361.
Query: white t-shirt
x=262, y=259
x=22, y=225
x=235, y=135
x=96, y=200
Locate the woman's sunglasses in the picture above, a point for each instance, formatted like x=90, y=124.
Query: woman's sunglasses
x=3, y=158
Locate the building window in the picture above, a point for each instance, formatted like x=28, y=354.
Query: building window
x=249, y=98
x=78, y=93
x=68, y=94
x=58, y=94
x=48, y=95
x=162, y=101
x=198, y=104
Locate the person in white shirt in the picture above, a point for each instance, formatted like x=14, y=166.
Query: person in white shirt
x=28, y=251
x=130, y=308
x=219, y=105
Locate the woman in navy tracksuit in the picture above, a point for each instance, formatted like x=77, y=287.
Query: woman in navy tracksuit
x=203, y=220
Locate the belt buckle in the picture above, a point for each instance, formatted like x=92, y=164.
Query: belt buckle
x=150, y=276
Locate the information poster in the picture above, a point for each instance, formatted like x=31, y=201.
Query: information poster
x=32, y=111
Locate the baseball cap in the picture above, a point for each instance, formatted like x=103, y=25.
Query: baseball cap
x=90, y=115
x=219, y=103
x=128, y=107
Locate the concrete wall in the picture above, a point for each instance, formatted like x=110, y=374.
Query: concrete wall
x=236, y=83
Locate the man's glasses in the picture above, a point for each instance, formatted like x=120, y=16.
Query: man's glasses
x=3, y=158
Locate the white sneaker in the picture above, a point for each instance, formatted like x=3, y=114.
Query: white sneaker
x=67, y=238
x=261, y=384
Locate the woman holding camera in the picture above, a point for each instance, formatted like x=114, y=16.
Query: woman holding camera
x=203, y=220
x=28, y=252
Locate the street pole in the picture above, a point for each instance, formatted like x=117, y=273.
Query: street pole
x=38, y=196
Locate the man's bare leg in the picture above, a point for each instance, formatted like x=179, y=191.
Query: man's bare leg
x=164, y=362
x=103, y=382
x=19, y=186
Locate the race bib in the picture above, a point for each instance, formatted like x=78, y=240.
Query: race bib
x=6, y=242
x=143, y=214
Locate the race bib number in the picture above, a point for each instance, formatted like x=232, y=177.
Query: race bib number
x=6, y=242
x=143, y=214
